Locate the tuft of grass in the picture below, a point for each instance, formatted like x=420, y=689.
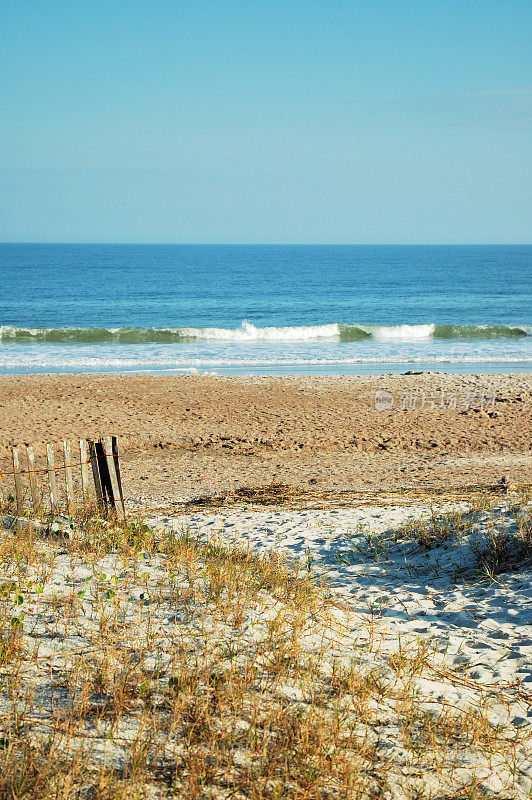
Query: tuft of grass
x=501, y=547
x=438, y=528
x=505, y=547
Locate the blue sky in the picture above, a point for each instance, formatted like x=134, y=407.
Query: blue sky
x=384, y=121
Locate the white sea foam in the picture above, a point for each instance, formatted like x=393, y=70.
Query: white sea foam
x=249, y=332
x=329, y=348
x=386, y=333
x=168, y=362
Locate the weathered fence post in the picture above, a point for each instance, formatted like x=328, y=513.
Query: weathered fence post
x=105, y=479
x=35, y=497
x=100, y=499
x=19, y=496
x=68, y=476
x=84, y=470
x=116, y=498
x=114, y=443
x=51, y=475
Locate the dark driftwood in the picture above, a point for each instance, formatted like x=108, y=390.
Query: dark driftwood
x=100, y=499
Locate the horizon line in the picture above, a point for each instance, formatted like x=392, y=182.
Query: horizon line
x=270, y=244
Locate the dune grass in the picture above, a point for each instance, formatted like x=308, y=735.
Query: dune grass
x=140, y=665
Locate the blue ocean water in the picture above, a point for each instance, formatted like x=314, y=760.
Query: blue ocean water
x=264, y=309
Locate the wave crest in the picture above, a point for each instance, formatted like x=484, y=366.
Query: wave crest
x=247, y=332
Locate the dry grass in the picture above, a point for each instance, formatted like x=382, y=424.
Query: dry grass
x=289, y=496
x=134, y=665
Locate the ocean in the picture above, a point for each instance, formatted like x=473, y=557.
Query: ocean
x=264, y=310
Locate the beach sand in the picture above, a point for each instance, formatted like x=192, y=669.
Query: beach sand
x=433, y=591
x=432, y=657
x=185, y=436
x=406, y=607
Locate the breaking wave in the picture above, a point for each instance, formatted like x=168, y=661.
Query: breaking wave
x=248, y=332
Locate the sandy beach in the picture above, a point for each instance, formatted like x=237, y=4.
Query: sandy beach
x=266, y=401
x=187, y=436
x=253, y=593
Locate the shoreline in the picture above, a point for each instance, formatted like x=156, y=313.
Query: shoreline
x=342, y=370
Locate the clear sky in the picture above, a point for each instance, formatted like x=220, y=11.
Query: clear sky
x=335, y=121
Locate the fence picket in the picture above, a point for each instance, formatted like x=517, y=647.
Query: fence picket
x=84, y=470
x=68, y=476
x=100, y=499
x=35, y=497
x=19, y=495
x=51, y=475
x=114, y=443
x=118, y=502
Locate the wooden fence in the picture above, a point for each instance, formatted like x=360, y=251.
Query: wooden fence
x=97, y=458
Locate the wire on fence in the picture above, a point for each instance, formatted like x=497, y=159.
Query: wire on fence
x=44, y=471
